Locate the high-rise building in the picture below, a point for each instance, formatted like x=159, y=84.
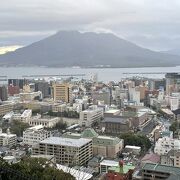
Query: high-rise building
x=62, y=92
x=172, y=83
x=3, y=93
x=12, y=90
x=44, y=87
x=18, y=82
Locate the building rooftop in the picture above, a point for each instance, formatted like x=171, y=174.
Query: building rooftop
x=162, y=168
x=36, y=127
x=122, y=120
x=110, y=163
x=124, y=170
x=151, y=157
x=66, y=141
x=7, y=135
x=89, y=133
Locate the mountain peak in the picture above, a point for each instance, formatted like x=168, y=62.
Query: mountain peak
x=86, y=49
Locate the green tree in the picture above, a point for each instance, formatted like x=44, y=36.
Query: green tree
x=17, y=127
x=174, y=127
x=34, y=168
x=136, y=140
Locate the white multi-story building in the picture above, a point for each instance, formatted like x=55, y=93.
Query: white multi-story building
x=165, y=144
x=172, y=101
x=134, y=95
x=90, y=116
x=7, y=139
x=66, y=151
x=26, y=115
x=34, y=135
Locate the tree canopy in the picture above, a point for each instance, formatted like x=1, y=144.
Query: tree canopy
x=136, y=140
x=33, y=168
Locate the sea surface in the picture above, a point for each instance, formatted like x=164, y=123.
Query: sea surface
x=103, y=74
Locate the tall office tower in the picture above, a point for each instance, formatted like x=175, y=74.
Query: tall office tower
x=62, y=92
x=172, y=83
x=3, y=93
x=18, y=82
x=44, y=87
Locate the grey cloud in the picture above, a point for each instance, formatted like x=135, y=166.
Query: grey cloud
x=147, y=23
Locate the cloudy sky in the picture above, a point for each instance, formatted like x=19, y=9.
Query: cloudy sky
x=154, y=24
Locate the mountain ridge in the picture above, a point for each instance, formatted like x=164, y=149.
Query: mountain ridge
x=89, y=49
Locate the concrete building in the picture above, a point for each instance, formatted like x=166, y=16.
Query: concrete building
x=26, y=115
x=5, y=108
x=89, y=116
x=165, y=144
x=106, y=164
x=134, y=95
x=133, y=149
x=12, y=90
x=66, y=151
x=34, y=135
x=156, y=84
x=44, y=87
x=172, y=102
x=7, y=139
x=29, y=96
x=172, y=83
x=101, y=95
x=156, y=171
x=172, y=158
x=116, y=125
x=120, y=172
x=18, y=82
x=3, y=93
x=106, y=146
x=62, y=92
x=46, y=122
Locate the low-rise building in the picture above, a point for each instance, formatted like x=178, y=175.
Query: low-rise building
x=172, y=158
x=5, y=108
x=46, y=122
x=34, y=135
x=165, y=144
x=116, y=125
x=106, y=146
x=66, y=151
x=122, y=171
x=133, y=149
x=7, y=139
x=157, y=171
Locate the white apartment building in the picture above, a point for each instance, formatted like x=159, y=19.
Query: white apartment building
x=7, y=139
x=134, y=95
x=90, y=116
x=165, y=144
x=66, y=151
x=34, y=135
x=173, y=102
x=46, y=122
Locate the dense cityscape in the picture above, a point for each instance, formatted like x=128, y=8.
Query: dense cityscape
x=87, y=129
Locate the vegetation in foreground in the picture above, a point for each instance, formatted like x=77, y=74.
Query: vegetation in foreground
x=32, y=168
